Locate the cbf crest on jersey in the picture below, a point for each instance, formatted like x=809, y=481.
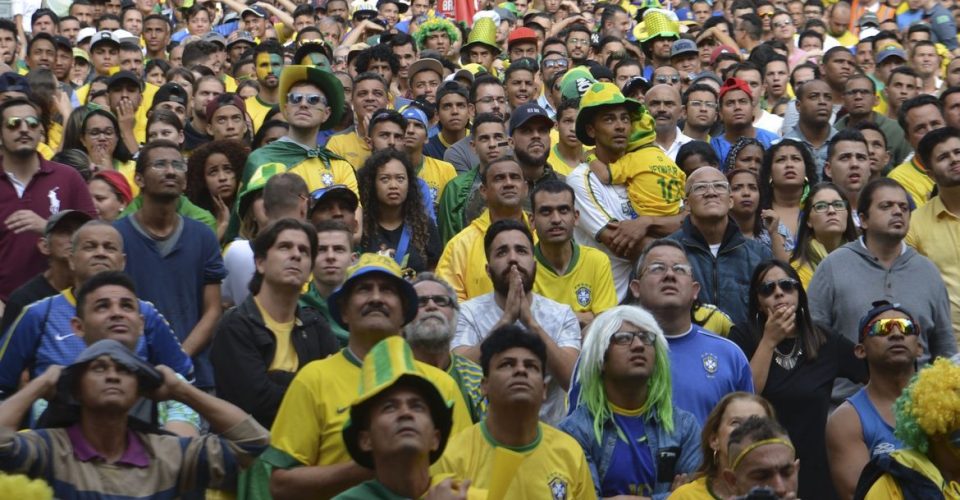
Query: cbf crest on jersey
x=584, y=294
x=710, y=363
x=558, y=488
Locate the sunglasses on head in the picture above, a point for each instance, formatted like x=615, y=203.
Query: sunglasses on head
x=14, y=122
x=884, y=327
x=786, y=284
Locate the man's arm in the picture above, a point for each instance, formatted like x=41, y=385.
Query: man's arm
x=941, y=338
x=846, y=452
x=202, y=333
x=16, y=406
x=322, y=481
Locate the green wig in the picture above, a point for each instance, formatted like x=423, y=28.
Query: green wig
x=590, y=370
x=435, y=24
x=930, y=405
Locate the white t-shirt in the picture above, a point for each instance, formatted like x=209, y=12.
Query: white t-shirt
x=479, y=315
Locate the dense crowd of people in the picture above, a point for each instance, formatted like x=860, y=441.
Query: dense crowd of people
x=560, y=249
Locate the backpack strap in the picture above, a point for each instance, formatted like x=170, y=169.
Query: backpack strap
x=913, y=484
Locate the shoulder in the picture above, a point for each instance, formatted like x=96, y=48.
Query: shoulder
x=592, y=255
x=560, y=440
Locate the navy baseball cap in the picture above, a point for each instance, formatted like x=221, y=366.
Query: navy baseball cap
x=683, y=46
x=526, y=112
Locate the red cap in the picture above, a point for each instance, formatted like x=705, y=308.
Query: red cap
x=118, y=182
x=521, y=34
x=723, y=49
x=225, y=100
x=735, y=84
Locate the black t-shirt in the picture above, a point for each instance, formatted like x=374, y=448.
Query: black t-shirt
x=37, y=288
x=801, y=398
x=419, y=261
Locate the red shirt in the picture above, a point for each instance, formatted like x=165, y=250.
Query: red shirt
x=53, y=188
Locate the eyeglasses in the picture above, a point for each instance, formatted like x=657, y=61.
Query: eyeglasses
x=703, y=104
x=701, y=188
x=674, y=79
x=439, y=300
x=555, y=63
x=786, y=284
x=102, y=132
x=782, y=24
x=822, y=206
x=312, y=99
x=659, y=268
x=178, y=165
x=884, y=327
x=14, y=122
x=626, y=338
x=491, y=100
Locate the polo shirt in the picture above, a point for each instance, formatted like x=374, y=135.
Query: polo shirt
x=350, y=147
x=914, y=178
x=309, y=424
x=175, y=282
x=935, y=234
x=586, y=285
x=552, y=466
x=53, y=188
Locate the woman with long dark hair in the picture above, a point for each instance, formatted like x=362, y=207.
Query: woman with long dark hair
x=96, y=131
x=394, y=220
x=794, y=365
x=826, y=223
x=213, y=176
x=745, y=190
x=786, y=175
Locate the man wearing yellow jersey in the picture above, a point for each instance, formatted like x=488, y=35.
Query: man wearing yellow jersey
x=511, y=453
x=268, y=60
x=568, y=152
x=918, y=116
x=567, y=272
x=463, y=262
x=308, y=456
x=435, y=173
x=369, y=95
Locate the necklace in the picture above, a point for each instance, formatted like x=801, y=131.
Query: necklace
x=788, y=361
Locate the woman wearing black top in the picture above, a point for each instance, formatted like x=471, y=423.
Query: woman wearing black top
x=395, y=222
x=794, y=365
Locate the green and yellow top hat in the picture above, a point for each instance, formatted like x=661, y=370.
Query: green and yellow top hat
x=328, y=83
x=375, y=263
x=657, y=23
x=390, y=364
x=484, y=33
x=257, y=182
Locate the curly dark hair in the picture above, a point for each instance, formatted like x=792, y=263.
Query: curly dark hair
x=236, y=153
x=414, y=215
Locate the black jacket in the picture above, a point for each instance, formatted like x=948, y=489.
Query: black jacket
x=243, y=350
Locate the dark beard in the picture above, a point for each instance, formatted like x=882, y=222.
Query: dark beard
x=501, y=283
x=533, y=161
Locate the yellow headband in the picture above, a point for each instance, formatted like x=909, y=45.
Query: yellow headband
x=762, y=442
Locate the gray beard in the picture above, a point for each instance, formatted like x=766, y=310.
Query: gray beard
x=432, y=333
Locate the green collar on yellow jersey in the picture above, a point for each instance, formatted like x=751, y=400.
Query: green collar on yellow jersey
x=519, y=449
x=544, y=262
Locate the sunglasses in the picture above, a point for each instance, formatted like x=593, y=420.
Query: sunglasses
x=786, y=284
x=674, y=79
x=14, y=122
x=626, y=338
x=885, y=327
x=439, y=300
x=312, y=99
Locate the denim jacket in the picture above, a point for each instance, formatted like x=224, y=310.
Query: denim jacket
x=724, y=279
x=674, y=453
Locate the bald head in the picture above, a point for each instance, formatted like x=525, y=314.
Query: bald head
x=663, y=101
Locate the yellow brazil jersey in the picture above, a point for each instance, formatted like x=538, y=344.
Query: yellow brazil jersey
x=317, y=405
x=935, y=234
x=559, y=165
x=463, y=263
x=886, y=488
x=436, y=173
x=350, y=147
x=694, y=490
x=848, y=39
x=914, y=179
x=285, y=356
x=45, y=152
x=804, y=271
x=316, y=174
x=654, y=182
x=229, y=84
x=129, y=171
x=585, y=286
x=140, y=125
x=54, y=136
x=257, y=109
x=711, y=318
x=553, y=466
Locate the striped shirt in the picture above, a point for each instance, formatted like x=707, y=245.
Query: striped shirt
x=468, y=375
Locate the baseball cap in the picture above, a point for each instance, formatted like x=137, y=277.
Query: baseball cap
x=124, y=76
x=635, y=83
x=79, y=53
x=891, y=51
x=13, y=82
x=373, y=263
x=170, y=92
x=416, y=114
x=85, y=33
x=62, y=42
x=576, y=82
x=241, y=36
x=868, y=19
x=683, y=46
x=227, y=99
x=526, y=112
x=522, y=34
x=103, y=37
x=122, y=35
x=706, y=75
x=214, y=37
x=335, y=191
x=64, y=217
x=879, y=307
x=723, y=49
x=401, y=7
x=424, y=65
x=255, y=10
x=735, y=84
x=363, y=8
